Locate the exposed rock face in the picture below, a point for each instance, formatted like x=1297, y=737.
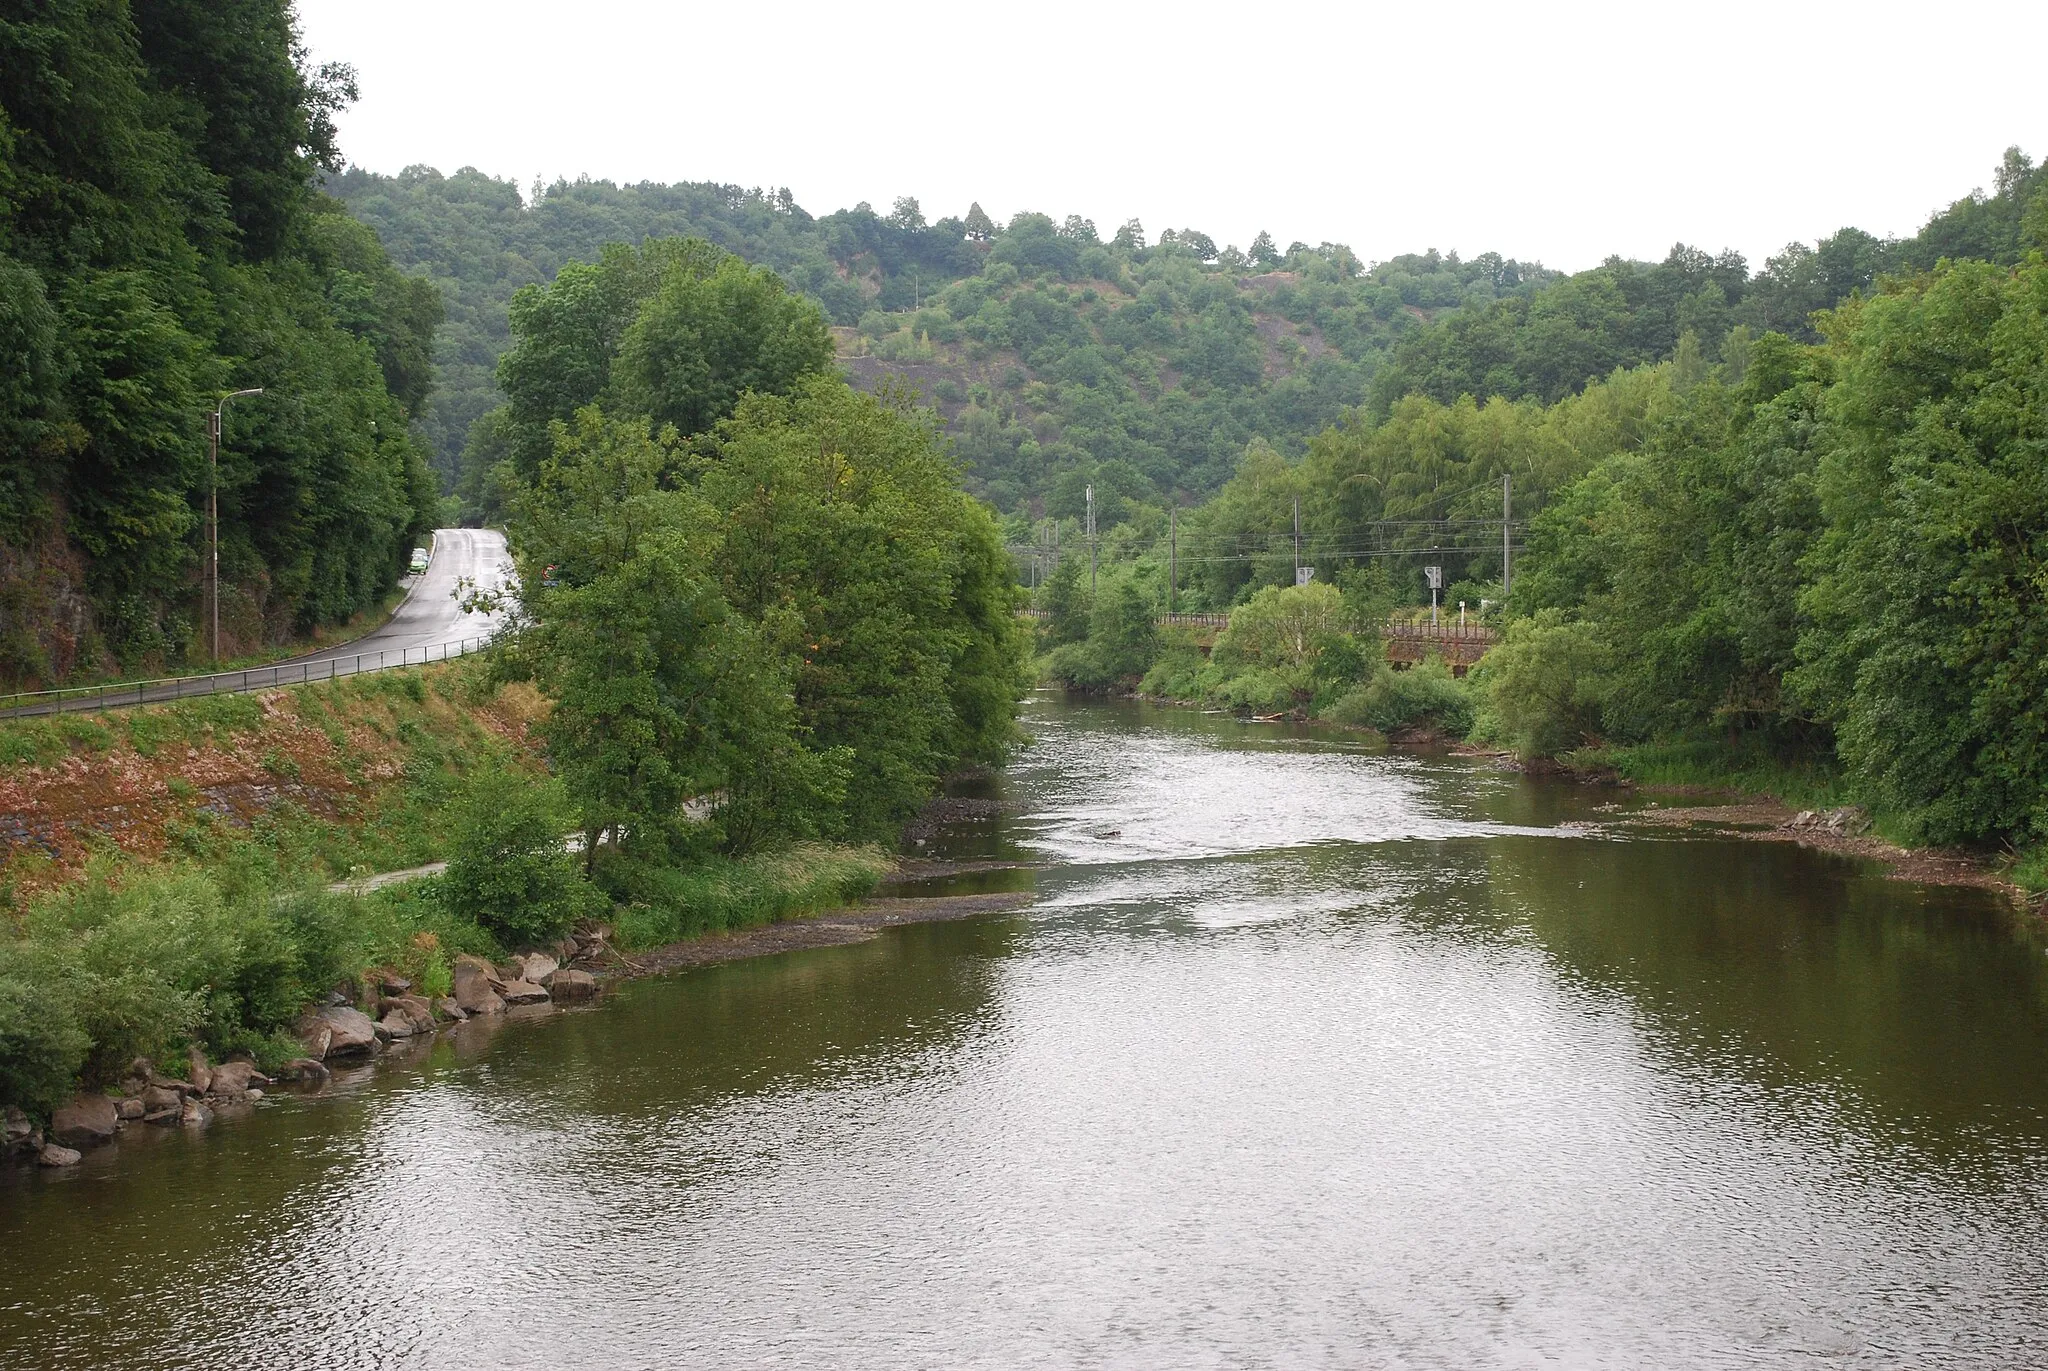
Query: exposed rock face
x=88, y=1121
x=476, y=983
x=53, y=1156
x=525, y=992
x=337, y=1031
x=567, y=985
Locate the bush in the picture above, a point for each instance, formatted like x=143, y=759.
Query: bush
x=663, y=904
x=1258, y=690
x=507, y=870
x=1545, y=684
x=1177, y=675
x=1428, y=694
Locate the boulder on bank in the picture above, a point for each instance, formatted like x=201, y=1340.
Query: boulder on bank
x=413, y=1007
x=233, y=1080
x=306, y=1069
x=54, y=1156
x=566, y=985
x=396, y=1025
x=448, y=1009
x=525, y=992
x=337, y=1031
x=88, y=1121
x=198, y=1072
x=476, y=983
x=18, y=1132
x=535, y=967
x=161, y=1104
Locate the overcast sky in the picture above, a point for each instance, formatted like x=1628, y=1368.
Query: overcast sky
x=1555, y=131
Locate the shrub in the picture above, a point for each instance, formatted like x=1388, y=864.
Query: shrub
x=665, y=903
x=507, y=869
x=1427, y=694
x=1545, y=684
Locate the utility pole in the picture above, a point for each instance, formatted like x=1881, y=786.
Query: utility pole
x=1297, y=540
x=1506, y=512
x=213, y=424
x=1091, y=539
x=1172, y=555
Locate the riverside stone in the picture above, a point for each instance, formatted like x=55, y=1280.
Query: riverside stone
x=536, y=967
x=572, y=985
x=232, y=1080
x=396, y=1025
x=195, y=1115
x=337, y=1031
x=305, y=1069
x=199, y=1073
x=525, y=992
x=16, y=1130
x=474, y=990
x=161, y=1104
x=448, y=1009
x=129, y=1108
x=54, y=1156
x=88, y=1121
x=413, y=1007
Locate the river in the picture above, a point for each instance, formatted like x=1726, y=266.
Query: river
x=1308, y=1055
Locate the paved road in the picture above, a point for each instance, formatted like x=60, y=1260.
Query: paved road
x=430, y=625
x=431, y=619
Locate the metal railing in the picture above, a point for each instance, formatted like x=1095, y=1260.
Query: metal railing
x=305, y=671
x=1459, y=633
x=1388, y=628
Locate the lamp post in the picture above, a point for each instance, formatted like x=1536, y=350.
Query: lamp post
x=213, y=500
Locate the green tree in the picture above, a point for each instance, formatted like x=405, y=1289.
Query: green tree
x=1929, y=632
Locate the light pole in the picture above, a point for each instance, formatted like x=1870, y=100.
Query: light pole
x=213, y=500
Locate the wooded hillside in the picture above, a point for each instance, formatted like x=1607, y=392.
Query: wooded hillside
x=160, y=244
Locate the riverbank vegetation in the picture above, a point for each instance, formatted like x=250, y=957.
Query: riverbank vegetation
x=1808, y=561
x=174, y=873
x=757, y=622
x=160, y=244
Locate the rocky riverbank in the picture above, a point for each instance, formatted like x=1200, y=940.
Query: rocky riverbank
x=359, y=1023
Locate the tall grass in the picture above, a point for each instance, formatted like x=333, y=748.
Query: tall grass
x=667, y=904
x=1811, y=781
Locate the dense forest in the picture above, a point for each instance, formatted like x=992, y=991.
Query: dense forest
x=1807, y=552
x=1058, y=355
x=1061, y=356
x=160, y=245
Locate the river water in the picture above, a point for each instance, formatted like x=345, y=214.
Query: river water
x=1307, y=1055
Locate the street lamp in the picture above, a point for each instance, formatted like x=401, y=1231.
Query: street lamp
x=213, y=500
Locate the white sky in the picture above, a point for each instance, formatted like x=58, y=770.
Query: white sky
x=1553, y=131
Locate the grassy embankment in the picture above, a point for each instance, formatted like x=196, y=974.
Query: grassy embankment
x=165, y=872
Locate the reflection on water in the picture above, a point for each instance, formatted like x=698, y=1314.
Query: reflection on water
x=1308, y=1055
